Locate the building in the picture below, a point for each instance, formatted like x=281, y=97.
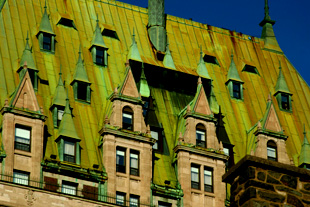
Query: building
x=105, y=104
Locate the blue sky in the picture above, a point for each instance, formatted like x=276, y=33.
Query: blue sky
x=292, y=27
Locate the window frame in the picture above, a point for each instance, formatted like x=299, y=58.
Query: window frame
x=18, y=145
x=134, y=155
x=134, y=204
x=238, y=85
x=164, y=204
x=272, y=146
x=70, y=187
x=21, y=180
x=201, y=132
x=195, y=184
x=100, y=57
x=44, y=43
x=69, y=157
x=287, y=96
x=121, y=194
x=127, y=111
x=207, y=186
x=120, y=168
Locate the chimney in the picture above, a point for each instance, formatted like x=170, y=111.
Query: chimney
x=157, y=24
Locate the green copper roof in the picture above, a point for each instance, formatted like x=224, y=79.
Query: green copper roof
x=60, y=93
x=281, y=85
x=80, y=72
x=143, y=87
x=168, y=61
x=67, y=127
x=304, y=157
x=202, y=69
x=214, y=106
x=45, y=25
x=133, y=53
x=98, y=39
x=232, y=71
x=27, y=57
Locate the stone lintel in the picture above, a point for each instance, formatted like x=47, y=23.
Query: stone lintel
x=23, y=112
x=127, y=134
x=271, y=134
x=250, y=160
x=126, y=99
x=167, y=192
x=207, y=118
x=201, y=152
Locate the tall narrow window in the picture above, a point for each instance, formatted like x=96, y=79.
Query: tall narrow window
x=120, y=160
x=47, y=42
x=59, y=116
x=120, y=198
x=134, y=201
x=195, y=181
x=69, y=151
x=127, y=118
x=271, y=150
x=134, y=163
x=154, y=135
x=69, y=188
x=82, y=91
x=208, y=180
x=20, y=177
x=200, y=135
x=99, y=56
x=236, y=90
x=22, y=138
x=285, y=103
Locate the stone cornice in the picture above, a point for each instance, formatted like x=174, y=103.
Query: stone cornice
x=270, y=133
x=23, y=112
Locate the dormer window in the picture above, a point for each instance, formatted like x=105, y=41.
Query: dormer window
x=271, y=150
x=57, y=115
x=200, y=135
x=236, y=90
x=69, y=151
x=34, y=78
x=210, y=59
x=81, y=91
x=250, y=69
x=285, y=103
x=127, y=118
x=47, y=42
x=22, y=138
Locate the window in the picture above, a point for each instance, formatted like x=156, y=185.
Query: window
x=47, y=42
x=195, y=183
x=210, y=59
x=200, y=135
x=226, y=151
x=164, y=204
x=69, y=151
x=22, y=138
x=120, y=160
x=69, y=188
x=285, y=101
x=127, y=118
x=250, y=69
x=236, y=90
x=110, y=33
x=154, y=135
x=34, y=78
x=59, y=116
x=82, y=91
x=20, y=177
x=134, y=163
x=120, y=198
x=134, y=201
x=99, y=56
x=67, y=22
x=208, y=180
x=271, y=150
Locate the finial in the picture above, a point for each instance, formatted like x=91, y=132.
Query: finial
x=269, y=97
x=220, y=109
x=127, y=63
x=60, y=73
x=6, y=103
x=304, y=130
x=181, y=139
x=199, y=81
x=115, y=90
x=106, y=120
x=142, y=65
x=148, y=129
x=232, y=53
x=80, y=50
x=221, y=146
x=27, y=38
x=67, y=98
x=280, y=65
x=41, y=110
x=201, y=50
x=188, y=109
x=133, y=36
x=25, y=65
x=259, y=125
x=45, y=5
x=97, y=20
x=266, y=10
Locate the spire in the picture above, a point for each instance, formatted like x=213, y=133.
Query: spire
x=304, y=157
x=281, y=85
x=27, y=57
x=67, y=127
x=214, y=106
x=168, y=61
x=45, y=25
x=201, y=68
x=60, y=92
x=143, y=86
x=232, y=71
x=133, y=53
x=80, y=72
x=270, y=120
x=97, y=38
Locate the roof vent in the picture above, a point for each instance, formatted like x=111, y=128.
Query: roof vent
x=110, y=33
x=210, y=59
x=250, y=69
x=67, y=23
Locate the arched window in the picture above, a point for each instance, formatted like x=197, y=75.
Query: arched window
x=271, y=150
x=127, y=118
x=201, y=135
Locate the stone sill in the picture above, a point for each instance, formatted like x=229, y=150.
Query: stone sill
x=23, y=153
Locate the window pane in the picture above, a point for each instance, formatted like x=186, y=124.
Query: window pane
x=60, y=114
x=46, y=42
x=120, y=160
x=236, y=90
x=195, y=174
x=134, y=160
x=154, y=135
x=208, y=177
x=200, y=135
x=226, y=151
x=271, y=152
x=69, y=148
x=120, y=198
x=133, y=201
x=68, y=188
x=21, y=178
x=22, y=139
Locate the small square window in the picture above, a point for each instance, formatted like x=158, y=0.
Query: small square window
x=285, y=103
x=195, y=181
x=22, y=138
x=208, y=180
x=164, y=204
x=236, y=90
x=69, y=151
x=120, y=160
x=69, y=188
x=134, y=163
x=120, y=198
x=47, y=42
x=20, y=177
x=134, y=201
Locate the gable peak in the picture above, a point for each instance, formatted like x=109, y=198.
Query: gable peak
x=233, y=71
x=270, y=120
x=129, y=87
x=281, y=85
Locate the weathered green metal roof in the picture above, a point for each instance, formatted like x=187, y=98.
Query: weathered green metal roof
x=201, y=68
x=143, y=87
x=281, y=85
x=80, y=72
x=214, y=106
x=60, y=94
x=233, y=71
x=27, y=57
x=304, y=157
x=45, y=25
x=133, y=53
x=168, y=61
x=98, y=38
x=67, y=127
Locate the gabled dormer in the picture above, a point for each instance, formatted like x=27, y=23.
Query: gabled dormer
x=168, y=61
x=304, y=157
x=58, y=102
x=234, y=82
x=201, y=68
x=68, y=141
x=133, y=53
x=98, y=48
x=283, y=94
x=31, y=67
x=80, y=82
x=22, y=129
x=46, y=35
x=270, y=137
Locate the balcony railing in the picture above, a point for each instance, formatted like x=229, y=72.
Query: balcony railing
x=89, y=194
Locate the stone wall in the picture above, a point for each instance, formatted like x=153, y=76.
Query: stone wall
x=263, y=183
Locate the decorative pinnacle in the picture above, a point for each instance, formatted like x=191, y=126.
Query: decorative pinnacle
x=45, y=5
x=269, y=97
x=304, y=130
x=60, y=73
x=199, y=81
x=97, y=20
x=133, y=36
x=232, y=53
x=280, y=65
x=266, y=10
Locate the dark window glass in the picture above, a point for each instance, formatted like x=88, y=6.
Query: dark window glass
x=69, y=188
x=271, y=150
x=195, y=180
x=285, y=101
x=99, y=56
x=208, y=180
x=210, y=59
x=32, y=77
x=164, y=204
x=236, y=90
x=120, y=160
x=82, y=91
x=127, y=118
x=134, y=163
x=69, y=151
x=47, y=42
x=22, y=138
x=200, y=135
